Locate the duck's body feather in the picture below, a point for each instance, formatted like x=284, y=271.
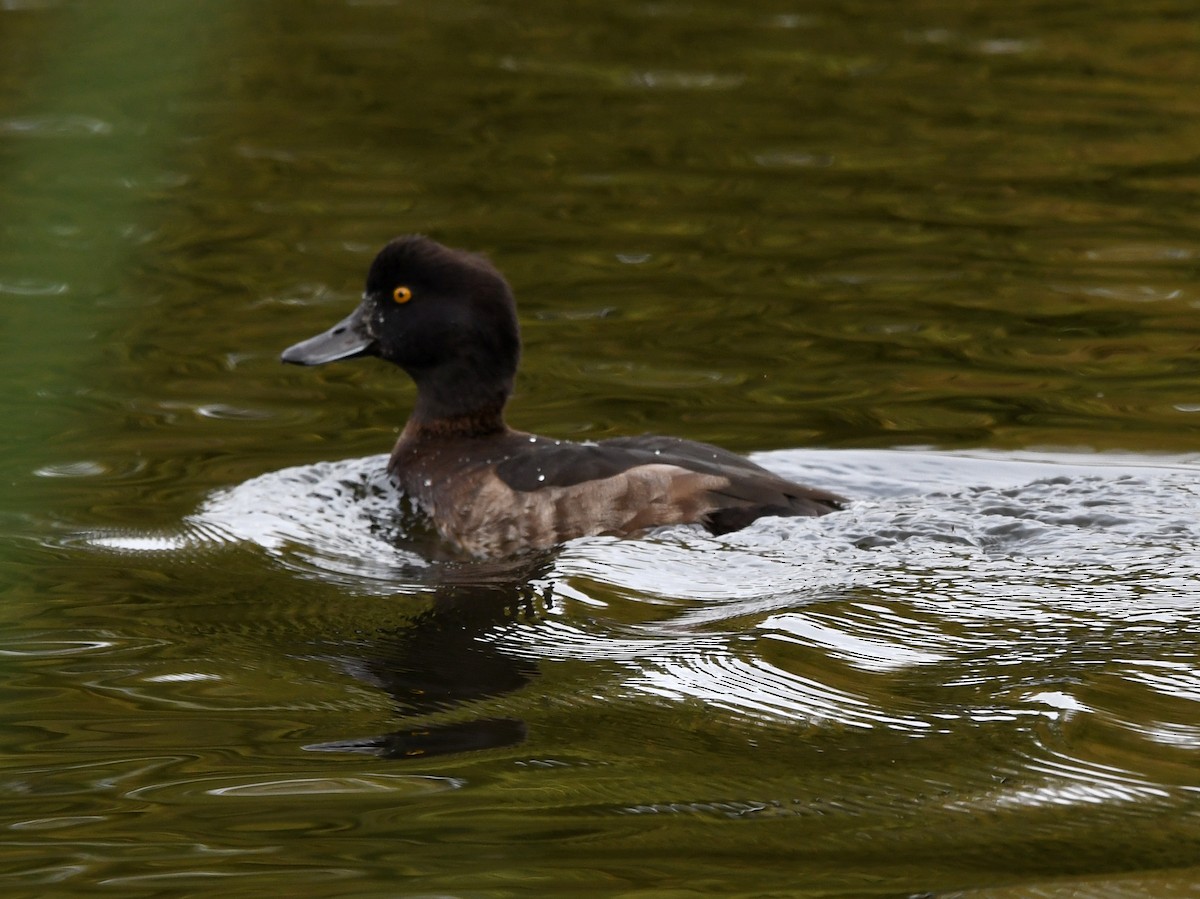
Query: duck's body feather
x=512, y=491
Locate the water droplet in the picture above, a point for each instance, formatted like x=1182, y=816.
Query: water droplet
x=541, y=477
x=428, y=482
x=533, y=440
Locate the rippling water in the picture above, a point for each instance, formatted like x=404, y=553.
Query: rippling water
x=983, y=647
x=941, y=260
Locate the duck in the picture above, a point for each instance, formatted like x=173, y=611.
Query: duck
x=448, y=318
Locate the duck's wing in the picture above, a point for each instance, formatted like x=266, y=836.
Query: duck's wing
x=691, y=454
x=752, y=491
x=540, y=464
x=719, y=489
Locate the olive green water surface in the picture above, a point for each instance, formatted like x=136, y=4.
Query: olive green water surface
x=826, y=232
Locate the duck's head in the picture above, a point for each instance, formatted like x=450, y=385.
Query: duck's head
x=447, y=317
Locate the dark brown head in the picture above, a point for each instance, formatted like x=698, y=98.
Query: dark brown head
x=447, y=317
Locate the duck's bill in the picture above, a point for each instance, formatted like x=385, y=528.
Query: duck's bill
x=345, y=340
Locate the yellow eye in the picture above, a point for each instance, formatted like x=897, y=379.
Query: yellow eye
x=401, y=294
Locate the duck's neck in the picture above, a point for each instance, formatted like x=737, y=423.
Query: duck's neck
x=457, y=408
x=466, y=399
x=428, y=444
x=421, y=429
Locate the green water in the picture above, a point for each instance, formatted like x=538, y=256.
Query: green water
x=853, y=227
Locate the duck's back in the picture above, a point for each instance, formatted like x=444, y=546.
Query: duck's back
x=513, y=492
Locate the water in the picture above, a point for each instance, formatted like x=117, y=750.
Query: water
x=986, y=657
x=942, y=262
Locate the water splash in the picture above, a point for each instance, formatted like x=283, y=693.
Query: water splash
x=339, y=521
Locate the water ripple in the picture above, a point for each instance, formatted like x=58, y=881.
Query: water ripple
x=323, y=786
x=875, y=641
x=957, y=590
x=56, y=126
x=757, y=688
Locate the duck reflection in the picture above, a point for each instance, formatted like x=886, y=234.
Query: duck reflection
x=441, y=659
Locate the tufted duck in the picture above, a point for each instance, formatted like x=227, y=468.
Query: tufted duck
x=448, y=318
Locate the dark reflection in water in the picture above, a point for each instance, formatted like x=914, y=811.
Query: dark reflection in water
x=443, y=659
